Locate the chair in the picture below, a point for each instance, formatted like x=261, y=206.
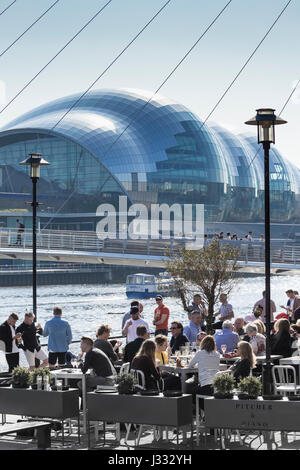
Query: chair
x=284, y=380
x=125, y=368
x=140, y=378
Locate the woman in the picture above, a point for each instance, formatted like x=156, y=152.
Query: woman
x=208, y=362
x=261, y=329
x=281, y=341
x=162, y=352
x=145, y=361
x=257, y=340
x=247, y=361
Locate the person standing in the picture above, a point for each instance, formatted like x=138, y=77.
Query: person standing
x=161, y=317
x=60, y=336
x=20, y=230
x=293, y=308
x=198, y=305
x=30, y=345
x=226, y=312
x=10, y=338
x=131, y=325
x=262, y=303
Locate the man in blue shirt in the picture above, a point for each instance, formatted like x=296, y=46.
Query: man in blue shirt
x=191, y=331
x=60, y=336
x=227, y=337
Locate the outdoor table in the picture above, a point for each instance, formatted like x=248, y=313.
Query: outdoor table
x=260, y=415
x=182, y=371
x=138, y=409
x=259, y=359
x=68, y=374
x=39, y=403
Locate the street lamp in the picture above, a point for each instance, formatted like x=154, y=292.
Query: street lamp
x=265, y=120
x=34, y=161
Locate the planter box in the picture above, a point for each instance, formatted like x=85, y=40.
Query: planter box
x=38, y=403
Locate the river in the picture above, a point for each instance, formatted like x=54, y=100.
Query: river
x=85, y=307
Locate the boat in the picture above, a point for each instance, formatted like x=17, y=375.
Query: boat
x=145, y=286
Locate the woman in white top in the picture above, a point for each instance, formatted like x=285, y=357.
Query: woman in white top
x=208, y=361
x=257, y=340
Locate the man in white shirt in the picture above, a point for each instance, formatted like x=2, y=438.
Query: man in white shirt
x=129, y=329
x=225, y=312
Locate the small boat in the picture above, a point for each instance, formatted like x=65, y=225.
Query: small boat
x=145, y=286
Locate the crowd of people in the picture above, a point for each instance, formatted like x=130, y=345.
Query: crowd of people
x=233, y=237
x=244, y=338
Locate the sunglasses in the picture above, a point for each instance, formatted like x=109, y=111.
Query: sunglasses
x=174, y=328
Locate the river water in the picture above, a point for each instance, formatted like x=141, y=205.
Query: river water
x=85, y=307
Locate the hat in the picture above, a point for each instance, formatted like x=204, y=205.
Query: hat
x=134, y=310
x=281, y=315
x=158, y=297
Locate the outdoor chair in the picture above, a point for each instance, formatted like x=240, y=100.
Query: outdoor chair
x=284, y=380
x=125, y=368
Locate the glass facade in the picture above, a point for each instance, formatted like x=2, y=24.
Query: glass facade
x=115, y=142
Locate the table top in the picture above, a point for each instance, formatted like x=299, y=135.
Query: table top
x=258, y=358
x=290, y=360
x=68, y=373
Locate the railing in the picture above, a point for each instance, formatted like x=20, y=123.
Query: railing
x=285, y=252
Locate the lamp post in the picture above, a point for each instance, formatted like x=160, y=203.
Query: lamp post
x=34, y=161
x=266, y=120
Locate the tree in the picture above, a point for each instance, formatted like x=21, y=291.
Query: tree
x=209, y=271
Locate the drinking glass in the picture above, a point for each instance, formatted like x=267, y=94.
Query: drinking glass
x=39, y=382
x=223, y=348
x=59, y=385
x=46, y=383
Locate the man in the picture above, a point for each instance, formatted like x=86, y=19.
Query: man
x=131, y=325
x=95, y=359
x=198, y=305
x=60, y=336
x=102, y=343
x=262, y=303
x=293, y=307
x=227, y=336
x=133, y=347
x=20, y=230
x=226, y=312
x=191, y=331
x=161, y=317
x=134, y=303
x=239, y=326
x=31, y=346
x=178, y=338
x=10, y=339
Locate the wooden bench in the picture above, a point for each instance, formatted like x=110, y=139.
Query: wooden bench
x=43, y=431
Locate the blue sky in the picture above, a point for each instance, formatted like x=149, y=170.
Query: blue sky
x=198, y=84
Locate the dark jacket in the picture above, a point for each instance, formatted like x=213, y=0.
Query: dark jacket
x=241, y=369
x=176, y=343
x=107, y=348
x=281, y=344
x=98, y=361
x=151, y=373
x=6, y=336
x=30, y=340
x=132, y=348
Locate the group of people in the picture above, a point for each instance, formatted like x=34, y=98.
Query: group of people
x=246, y=337
x=232, y=237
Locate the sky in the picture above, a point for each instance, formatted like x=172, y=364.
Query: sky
x=267, y=81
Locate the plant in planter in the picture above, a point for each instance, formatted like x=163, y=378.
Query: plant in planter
x=250, y=387
x=43, y=372
x=223, y=385
x=125, y=384
x=21, y=377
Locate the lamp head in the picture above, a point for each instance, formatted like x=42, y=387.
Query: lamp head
x=265, y=120
x=35, y=161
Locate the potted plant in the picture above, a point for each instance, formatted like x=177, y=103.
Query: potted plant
x=125, y=384
x=223, y=385
x=250, y=387
x=21, y=377
x=40, y=372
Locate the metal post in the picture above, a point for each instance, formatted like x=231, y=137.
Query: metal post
x=34, y=283
x=267, y=367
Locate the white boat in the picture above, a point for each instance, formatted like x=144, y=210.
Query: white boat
x=144, y=286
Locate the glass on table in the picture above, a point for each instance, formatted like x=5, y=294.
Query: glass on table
x=39, y=382
x=223, y=348
x=59, y=385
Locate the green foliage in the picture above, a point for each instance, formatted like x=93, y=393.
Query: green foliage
x=209, y=271
x=250, y=385
x=125, y=383
x=21, y=377
x=41, y=372
x=224, y=383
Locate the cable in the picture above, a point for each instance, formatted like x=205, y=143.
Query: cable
x=54, y=57
x=26, y=30
x=5, y=9
x=246, y=63
x=147, y=102
x=116, y=58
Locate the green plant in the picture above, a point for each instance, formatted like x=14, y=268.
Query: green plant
x=125, y=383
x=42, y=372
x=224, y=383
x=21, y=377
x=250, y=385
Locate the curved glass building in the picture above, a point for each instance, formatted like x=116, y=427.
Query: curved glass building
x=122, y=142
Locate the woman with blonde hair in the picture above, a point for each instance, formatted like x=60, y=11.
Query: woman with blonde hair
x=247, y=361
x=260, y=326
x=145, y=361
x=162, y=352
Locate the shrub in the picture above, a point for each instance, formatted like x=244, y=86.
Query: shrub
x=224, y=383
x=125, y=383
x=43, y=372
x=250, y=385
x=21, y=377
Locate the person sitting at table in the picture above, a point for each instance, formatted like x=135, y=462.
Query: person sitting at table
x=247, y=361
x=178, y=338
x=227, y=337
x=239, y=326
x=145, y=361
x=103, y=372
x=102, y=343
x=261, y=329
x=194, y=326
x=281, y=340
x=208, y=362
x=163, y=351
x=132, y=348
x=257, y=340
x=295, y=333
